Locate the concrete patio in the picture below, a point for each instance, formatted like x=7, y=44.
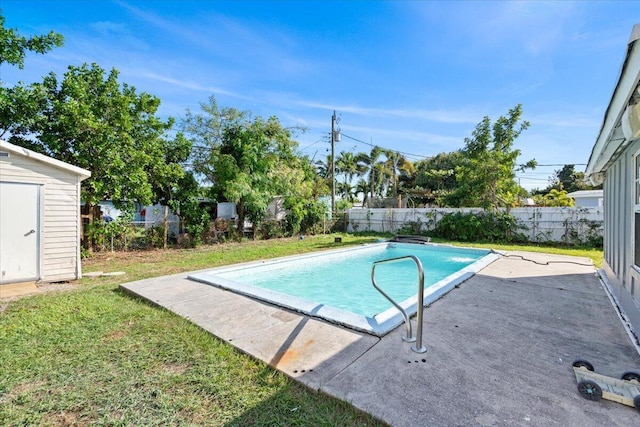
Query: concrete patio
x=499, y=347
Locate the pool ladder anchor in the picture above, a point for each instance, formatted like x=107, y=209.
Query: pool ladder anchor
x=408, y=337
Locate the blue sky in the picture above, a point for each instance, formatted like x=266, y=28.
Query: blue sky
x=414, y=76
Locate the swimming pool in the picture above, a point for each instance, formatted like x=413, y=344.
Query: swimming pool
x=336, y=285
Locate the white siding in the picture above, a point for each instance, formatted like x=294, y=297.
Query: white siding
x=619, y=234
x=60, y=232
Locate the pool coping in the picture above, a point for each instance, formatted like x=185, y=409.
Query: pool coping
x=499, y=348
x=378, y=325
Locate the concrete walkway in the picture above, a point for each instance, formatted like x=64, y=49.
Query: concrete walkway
x=499, y=347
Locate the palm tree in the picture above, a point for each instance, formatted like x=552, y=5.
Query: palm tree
x=397, y=167
x=362, y=187
x=368, y=162
x=324, y=167
x=407, y=176
x=347, y=164
x=346, y=190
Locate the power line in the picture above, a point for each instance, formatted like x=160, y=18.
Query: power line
x=387, y=149
x=418, y=156
x=564, y=164
x=532, y=179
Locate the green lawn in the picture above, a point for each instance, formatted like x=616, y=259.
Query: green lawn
x=95, y=355
x=596, y=255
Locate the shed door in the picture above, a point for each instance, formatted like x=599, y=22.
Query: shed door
x=19, y=232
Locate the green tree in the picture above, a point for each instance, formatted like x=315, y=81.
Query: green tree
x=168, y=175
x=185, y=201
x=14, y=47
x=486, y=177
x=92, y=121
x=21, y=105
x=205, y=130
x=558, y=198
x=347, y=165
x=435, y=178
x=249, y=161
x=301, y=186
x=393, y=167
x=406, y=175
x=568, y=179
x=21, y=109
x=368, y=163
x=362, y=187
x=323, y=168
x=346, y=191
x=248, y=165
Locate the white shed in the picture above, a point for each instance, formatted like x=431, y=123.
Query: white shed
x=588, y=198
x=39, y=217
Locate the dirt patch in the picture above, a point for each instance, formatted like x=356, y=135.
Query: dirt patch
x=21, y=389
x=42, y=288
x=115, y=335
x=66, y=419
x=175, y=368
x=56, y=287
x=120, y=332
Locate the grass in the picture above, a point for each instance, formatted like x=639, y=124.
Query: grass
x=97, y=356
x=596, y=255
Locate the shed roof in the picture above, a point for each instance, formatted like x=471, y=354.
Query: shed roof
x=11, y=148
x=586, y=193
x=611, y=140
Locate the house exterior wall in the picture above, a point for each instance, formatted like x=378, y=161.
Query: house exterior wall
x=60, y=213
x=619, y=240
x=613, y=162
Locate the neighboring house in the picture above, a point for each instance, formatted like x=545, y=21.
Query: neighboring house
x=615, y=162
x=39, y=217
x=143, y=216
x=226, y=210
x=276, y=210
x=588, y=198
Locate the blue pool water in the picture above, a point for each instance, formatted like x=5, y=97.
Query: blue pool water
x=345, y=282
x=336, y=285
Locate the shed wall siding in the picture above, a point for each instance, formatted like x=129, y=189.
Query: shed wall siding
x=619, y=199
x=59, y=234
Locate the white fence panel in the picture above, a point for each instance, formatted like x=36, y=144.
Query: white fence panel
x=538, y=224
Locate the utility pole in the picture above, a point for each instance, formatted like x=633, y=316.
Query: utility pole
x=333, y=165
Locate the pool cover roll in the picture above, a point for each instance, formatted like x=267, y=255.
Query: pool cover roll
x=410, y=239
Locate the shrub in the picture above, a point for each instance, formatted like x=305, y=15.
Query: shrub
x=271, y=229
x=481, y=226
x=411, y=227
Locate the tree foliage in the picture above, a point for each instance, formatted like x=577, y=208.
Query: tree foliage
x=205, y=129
x=486, y=176
x=557, y=198
x=92, y=121
x=371, y=164
x=21, y=109
x=567, y=179
x=435, y=177
x=247, y=165
x=249, y=160
x=20, y=105
x=186, y=201
x=14, y=47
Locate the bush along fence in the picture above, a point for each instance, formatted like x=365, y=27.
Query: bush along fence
x=570, y=225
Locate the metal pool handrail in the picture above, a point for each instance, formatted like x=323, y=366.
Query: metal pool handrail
x=417, y=347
